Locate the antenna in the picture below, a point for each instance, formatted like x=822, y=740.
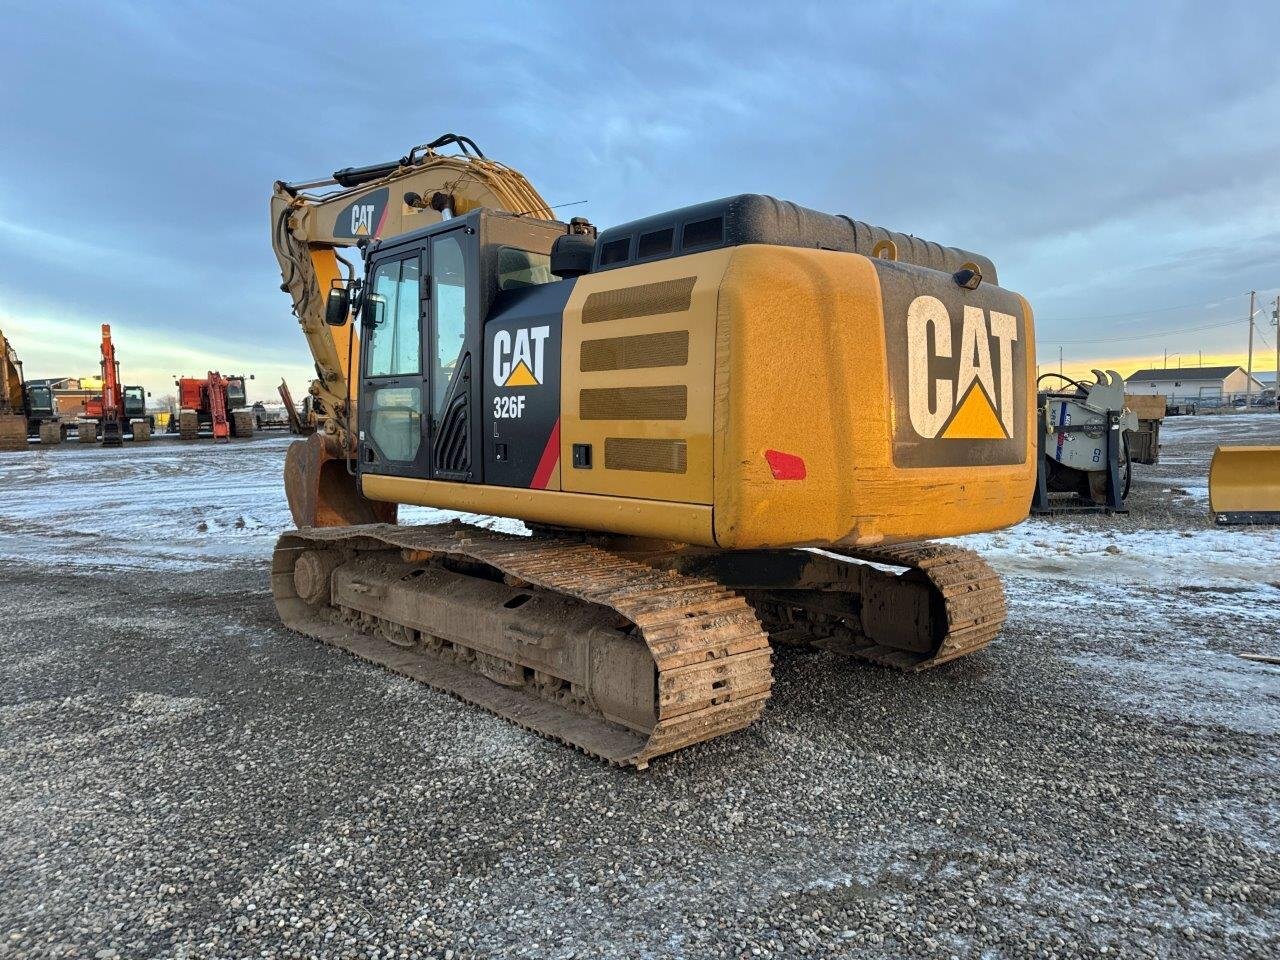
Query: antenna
x=554, y=206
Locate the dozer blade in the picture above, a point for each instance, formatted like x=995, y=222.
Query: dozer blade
x=1244, y=485
x=577, y=643
x=322, y=492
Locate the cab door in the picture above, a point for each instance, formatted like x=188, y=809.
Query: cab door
x=451, y=350
x=394, y=430
x=421, y=341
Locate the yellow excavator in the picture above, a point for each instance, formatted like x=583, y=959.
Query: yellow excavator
x=13, y=410
x=676, y=407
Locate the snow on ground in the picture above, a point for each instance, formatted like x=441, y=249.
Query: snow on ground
x=1187, y=445
x=1223, y=428
x=1159, y=603
x=1168, y=537
x=1053, y=549
x=1100, y=779
x=159, y=505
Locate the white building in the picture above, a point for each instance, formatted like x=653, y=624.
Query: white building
x=1183, y=384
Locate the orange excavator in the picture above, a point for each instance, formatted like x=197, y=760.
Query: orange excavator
x=119, y=409
x=214, y=401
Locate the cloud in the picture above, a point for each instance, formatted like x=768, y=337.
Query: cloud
x=1110, y=158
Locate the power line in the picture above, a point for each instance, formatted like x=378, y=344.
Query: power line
x=1139, y=313
x=1145, y=336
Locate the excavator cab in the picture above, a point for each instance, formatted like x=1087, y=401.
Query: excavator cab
x=427, y=295
x=39, y=403
x=135, y=403
x=237, y=399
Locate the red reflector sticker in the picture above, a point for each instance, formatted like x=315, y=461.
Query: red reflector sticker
x=785, y=466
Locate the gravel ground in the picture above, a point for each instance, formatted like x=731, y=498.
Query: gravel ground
x=180, y=777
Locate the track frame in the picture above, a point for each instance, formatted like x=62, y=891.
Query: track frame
x=440, y=604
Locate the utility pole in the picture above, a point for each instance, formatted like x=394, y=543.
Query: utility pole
x=1275, y=322
x=1248, y=384
x=1166, y=359
x=1059, y=361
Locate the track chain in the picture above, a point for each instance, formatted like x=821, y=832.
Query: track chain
x=969, y=606
x=712, y=656
x=972, y=597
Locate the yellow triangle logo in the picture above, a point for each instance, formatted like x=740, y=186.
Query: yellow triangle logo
x=521, y=376
x=974, y=418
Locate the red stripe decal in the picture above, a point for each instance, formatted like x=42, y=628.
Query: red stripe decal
x=382, y=220
x=550, y=457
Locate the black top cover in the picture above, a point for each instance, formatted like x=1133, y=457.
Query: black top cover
x=755, y=218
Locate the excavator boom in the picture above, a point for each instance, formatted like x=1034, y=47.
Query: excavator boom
x=112, y=401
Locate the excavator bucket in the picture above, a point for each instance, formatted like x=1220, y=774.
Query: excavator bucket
x=1244, y=485
x=322, y=492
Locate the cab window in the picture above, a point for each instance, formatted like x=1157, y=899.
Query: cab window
x=522, y=268
x=394, y=339
x=449, y=294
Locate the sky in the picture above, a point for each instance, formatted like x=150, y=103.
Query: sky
x=1120, y=163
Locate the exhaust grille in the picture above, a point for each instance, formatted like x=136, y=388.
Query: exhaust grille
x=634, y=403
x=651, y=456
x=635, y=353
x=647, y=299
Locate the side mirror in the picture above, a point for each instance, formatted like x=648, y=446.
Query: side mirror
x=375, y=308
x=338, y=307
x=148, y=393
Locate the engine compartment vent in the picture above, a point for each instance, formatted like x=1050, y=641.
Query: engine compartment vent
x=634, y=403
x=649, y=455
x=642, y=300
x=639, y=352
